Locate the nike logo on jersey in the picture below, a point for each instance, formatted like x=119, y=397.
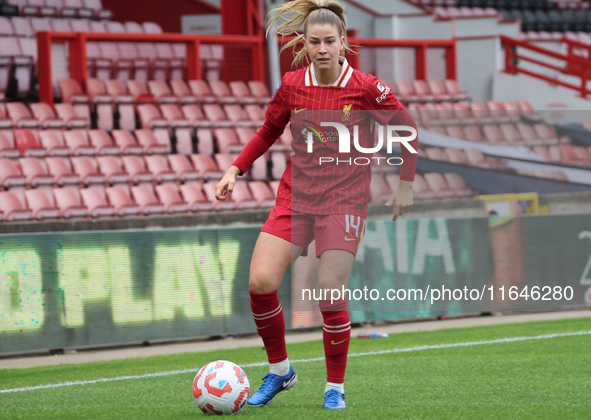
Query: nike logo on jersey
x=349, y=239
x=297, y=111
x=261, y=328
x=334, y=344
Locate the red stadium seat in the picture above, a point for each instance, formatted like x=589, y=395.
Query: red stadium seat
x=379, y=191
x=405, y=92
x=35, y=171
x=454, y=90
x=53, y=142
x=456, y=156
x=7, y=148
x=110, y=167
x=150, y=142
x=61, y=170
x=259, y=91
x=262, y=194
x=476, y=158
x=222, y=91
x=126, y=142
x=457, y=184
x=439, y=91
x=86, y=168
x=227, y=140
x=243, y=197
x=77, y=142
x=95, y=201
x=422, y=89
x=160, y=90
x=150, y=116
x=42, y=204
x=182, y=167
x=206, y=166
x=493, y=134
x=73, y=117
x=202, y=91
x=241, y=92
x=103, y=103
x=435, y=153
x=20, y=115
x=158, y=166
x=216, y=115
x=144, y=196
x=205, y=141
x=120, y=199
x=68, y=200
x=256, y=114
x=11, y=207
x=237, y=116
x=438, y=185
x=457, y=132
x=136, y=168
x=10, y=174
x=45, y=115
x=193, y=195
x=123, y=102
x=102, y=142
x=278, y=165
x=511, y=134
x=169, y=196
x=421, y=189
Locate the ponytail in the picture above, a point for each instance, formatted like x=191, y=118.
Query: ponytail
x=307, y=12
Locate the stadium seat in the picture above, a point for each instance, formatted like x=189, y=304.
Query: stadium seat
x=278, y=165
x=168, y=195
x=97, y=8
x=136, y=169
x=150, y=142
x=379, y=191
x=120, y=199
x=162, y=93
x=457, y=184
x=69, y=202
x=237, y=116
x=76, y=8
x=456, y=131
x=20, y=115
x=205, y=141
x=202, y=91
x=438, y=185
x=421, y=88
x=206, y=166
x=103, y=103
x=150, y=116
x=435, y=153
x=123, y=103
x=35, y=171
x=222, y=92
x=193, y=195
x=511, y=134
x=126, y=142
x=7, y=149
x=27, y=143
x=227, y=140
x=256, y=114
x=102, y=142
x=195, y=116
x=61, y=170
x=216, y=115
x=71, y=92
x=439, y=91
x=46, y=116
x=22, y=27
x=456, y=156
x=77, y=142
x=144, y=196
x=41, y=203
x=10, y=174
x=405, y=92
x=11, y=207
x=454, y=90
x=241, y=92
x=182, y=167
x=476, y=158
x=95, y=201
x=110, y=167
x=53, y=143
x=87, y=170
x=262, y=194
x=158, y=166
x=259, y=91
x=242, y=196
x=421, y=189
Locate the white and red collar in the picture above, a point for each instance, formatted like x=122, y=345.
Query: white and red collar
x=346, y=73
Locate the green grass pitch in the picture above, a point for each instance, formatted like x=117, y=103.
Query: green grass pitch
x=546, y=378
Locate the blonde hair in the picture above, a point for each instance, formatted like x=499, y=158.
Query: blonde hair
x=307, y=12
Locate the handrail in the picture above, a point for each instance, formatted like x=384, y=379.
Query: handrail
x=78, y=60
x=573, y=65
x=420, y=45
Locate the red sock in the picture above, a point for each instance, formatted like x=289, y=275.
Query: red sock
x=268, y=317
x=336, y=334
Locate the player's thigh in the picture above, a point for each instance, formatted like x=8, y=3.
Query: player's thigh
x=335, y=268
x=271, y=257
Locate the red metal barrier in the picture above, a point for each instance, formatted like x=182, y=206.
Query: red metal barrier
x=78, y=61
x=574, y=65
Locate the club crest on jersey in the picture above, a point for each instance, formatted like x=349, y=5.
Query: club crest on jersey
x=347, y=111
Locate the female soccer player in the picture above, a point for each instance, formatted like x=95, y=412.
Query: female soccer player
x=334, y=214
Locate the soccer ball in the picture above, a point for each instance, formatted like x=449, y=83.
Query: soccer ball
x=221, y=387
x=588, y=298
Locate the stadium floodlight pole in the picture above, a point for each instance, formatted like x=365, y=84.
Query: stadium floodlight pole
x=273, y=51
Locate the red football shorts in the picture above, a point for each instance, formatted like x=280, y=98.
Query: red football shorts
x=332, y=231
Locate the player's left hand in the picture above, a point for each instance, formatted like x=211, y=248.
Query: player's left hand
x=402, y=199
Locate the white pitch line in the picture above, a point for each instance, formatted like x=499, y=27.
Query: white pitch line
x=315, y=359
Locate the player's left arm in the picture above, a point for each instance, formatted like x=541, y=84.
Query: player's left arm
x=387, y=110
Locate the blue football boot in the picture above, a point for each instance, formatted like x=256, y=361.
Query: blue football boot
x=334, y=400
x=272, y=385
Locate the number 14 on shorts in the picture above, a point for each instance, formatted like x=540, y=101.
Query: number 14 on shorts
x=352, y=226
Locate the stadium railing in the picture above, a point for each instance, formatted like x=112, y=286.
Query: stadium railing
x=574, y=65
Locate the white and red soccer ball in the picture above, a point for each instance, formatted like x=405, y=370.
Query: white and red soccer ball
x=221, y=387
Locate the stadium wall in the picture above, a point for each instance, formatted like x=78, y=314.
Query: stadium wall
x=147, y=280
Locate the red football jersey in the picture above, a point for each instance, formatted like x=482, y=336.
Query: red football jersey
x=306, y=185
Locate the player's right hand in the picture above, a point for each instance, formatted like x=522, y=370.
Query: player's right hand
x=225, y=187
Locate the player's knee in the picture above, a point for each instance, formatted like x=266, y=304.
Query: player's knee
x=261, y=282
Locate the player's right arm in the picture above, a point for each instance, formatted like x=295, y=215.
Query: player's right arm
x=276, y=118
